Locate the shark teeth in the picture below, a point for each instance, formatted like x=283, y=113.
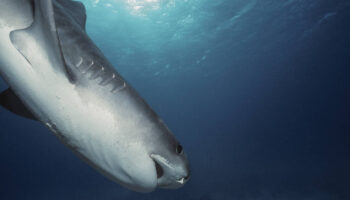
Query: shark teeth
x=181, y=180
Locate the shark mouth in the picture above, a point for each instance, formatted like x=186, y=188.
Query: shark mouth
x=161, y=164
x=159, y=169
x=162, y=167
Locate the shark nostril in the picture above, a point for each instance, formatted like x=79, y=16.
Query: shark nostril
x=187, y=177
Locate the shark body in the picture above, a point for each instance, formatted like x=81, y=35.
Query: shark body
x=60, y=78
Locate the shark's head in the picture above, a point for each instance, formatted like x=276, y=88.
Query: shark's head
x=172, y=167
x=162, y=164
x=168, y=156
x=144, y=154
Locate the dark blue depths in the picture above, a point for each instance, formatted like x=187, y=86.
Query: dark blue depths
x=257, y=91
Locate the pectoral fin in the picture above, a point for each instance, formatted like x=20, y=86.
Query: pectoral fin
x=39, y=43
x=12, y=103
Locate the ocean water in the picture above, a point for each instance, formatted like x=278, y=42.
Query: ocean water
x=257, y=91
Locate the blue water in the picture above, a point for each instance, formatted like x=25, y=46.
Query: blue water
x=257, y=91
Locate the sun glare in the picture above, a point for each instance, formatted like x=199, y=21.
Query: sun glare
x=139, y=7
x=135, y=7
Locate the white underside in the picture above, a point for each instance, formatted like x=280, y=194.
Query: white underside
x=84, y=122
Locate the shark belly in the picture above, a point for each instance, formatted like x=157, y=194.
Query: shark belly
x=56, y=103
x=81, y=119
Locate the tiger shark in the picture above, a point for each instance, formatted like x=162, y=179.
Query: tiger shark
x=57, y=75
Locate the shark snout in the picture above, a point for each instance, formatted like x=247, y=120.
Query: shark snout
x=170, y=175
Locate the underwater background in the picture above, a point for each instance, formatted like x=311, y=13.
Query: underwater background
x=257, y=91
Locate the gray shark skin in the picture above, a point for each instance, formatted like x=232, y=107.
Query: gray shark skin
x=64, y=81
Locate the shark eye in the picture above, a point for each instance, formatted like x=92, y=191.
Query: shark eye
x=179, y=149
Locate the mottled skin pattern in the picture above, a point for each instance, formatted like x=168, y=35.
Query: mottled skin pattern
x=66, y=82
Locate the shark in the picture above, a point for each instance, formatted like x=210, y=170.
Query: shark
x=59, y=77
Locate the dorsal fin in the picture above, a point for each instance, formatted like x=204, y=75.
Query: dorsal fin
x=42, y=35
x=74, y=9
